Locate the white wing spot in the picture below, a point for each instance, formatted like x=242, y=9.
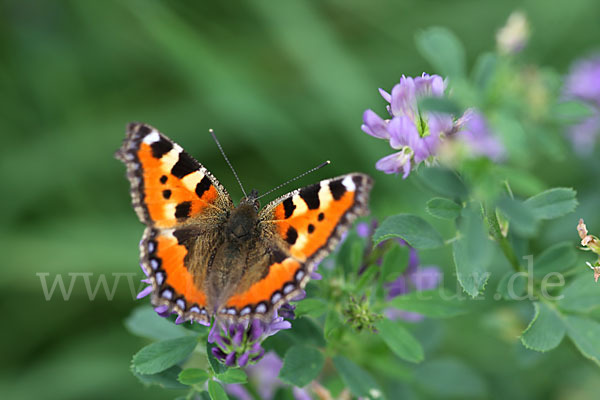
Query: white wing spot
x=349, y=184
x=151, y=137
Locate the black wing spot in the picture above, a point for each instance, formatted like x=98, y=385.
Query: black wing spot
x=161, y=147
x=337, y=189
x=203, y=186
x=183, y=209
x=311, y=228
x=185, y=165
x=166, y=194
x=144, y=130
x=163, y=179
x=291, y=236
x=184, y=236
x=310, y=195
x=288, y=207
x=321, y=216
x=278, y=256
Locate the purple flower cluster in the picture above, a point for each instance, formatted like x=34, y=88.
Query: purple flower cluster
x=583, y=84
x=238, y=344
x=416, y=134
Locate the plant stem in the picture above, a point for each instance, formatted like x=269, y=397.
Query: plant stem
x=494, y=225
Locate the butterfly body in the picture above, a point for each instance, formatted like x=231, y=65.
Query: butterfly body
x=207, y=257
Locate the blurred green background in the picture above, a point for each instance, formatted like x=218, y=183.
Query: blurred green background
x=284, y=85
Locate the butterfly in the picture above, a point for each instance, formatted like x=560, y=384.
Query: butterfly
x=208, y=258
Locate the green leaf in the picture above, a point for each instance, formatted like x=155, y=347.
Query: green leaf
x=157, y=357
x=366, y=277
x=557, y=258
x=472, y=252
x=233, y=375
x=443, y=208
x=216, y=391
x=359, y=381
x=553, y=203
x=584, y=333
x=439, y=303
x=450, y=377
x=144, y=322
x=521, y=217
x=440, y=105
x=442, y=181
x=313, y=307
x=301, y=365
x=545, y=331
x=394, y=262
x=216, y=366
x=415, y=230
x=443, y=50
x=166, y=379
x=193, y=376
x=400, y=341
x=512, y=286
x=572, y=111
x=581, y=295
x=333, y=325
x=349, y=256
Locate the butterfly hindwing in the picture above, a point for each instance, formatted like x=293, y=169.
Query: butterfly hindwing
x=168, y=186
x=300, y=229
x=165, y=255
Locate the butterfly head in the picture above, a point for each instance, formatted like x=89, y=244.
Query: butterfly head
x=251, y=199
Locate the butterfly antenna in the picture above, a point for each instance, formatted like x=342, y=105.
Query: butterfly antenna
x=227, y=159
x=298, y=177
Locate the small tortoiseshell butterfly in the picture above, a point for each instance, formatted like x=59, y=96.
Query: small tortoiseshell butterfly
x=207, y=257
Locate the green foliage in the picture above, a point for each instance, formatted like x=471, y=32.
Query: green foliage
x=415, y=230
x=584, y=333
x=443, y=50
x=439, y=303
x=450, y=378
x=159, y=356
x=144, y=322
x=193, y=376
x=443, y=208
x=546, y=330
x=553, y=203
x=233, y=375
x=301, y=365
x=557, y=258
x=359, y=381
x=216, y=391
x=472, y=252
x=400, y=341
x=580, y=295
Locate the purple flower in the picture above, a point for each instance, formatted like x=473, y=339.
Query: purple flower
x=264, y=376
x=478, y=137
x=415, y=133
x=239, y=344
x=583, y=83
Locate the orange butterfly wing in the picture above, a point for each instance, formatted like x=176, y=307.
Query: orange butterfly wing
x=170, y=190
x=304, y=226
